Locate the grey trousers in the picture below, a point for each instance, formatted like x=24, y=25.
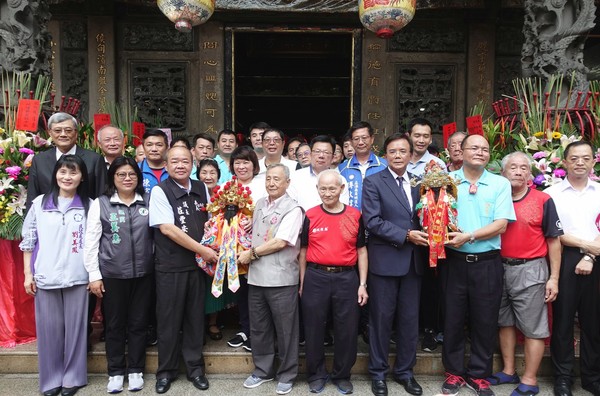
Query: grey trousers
x=61, y=326
x=274, y=312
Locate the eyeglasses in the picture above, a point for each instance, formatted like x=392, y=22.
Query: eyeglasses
x=303, y=154
x=476, y=149
x=272, y=140
x=319, y=152
x=357, y=139
x=68, y=131
x=124, y=175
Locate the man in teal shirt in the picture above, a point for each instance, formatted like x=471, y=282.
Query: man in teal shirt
x=472, y=275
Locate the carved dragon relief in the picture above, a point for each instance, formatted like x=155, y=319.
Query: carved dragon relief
x=24, y=38
x=555, y=33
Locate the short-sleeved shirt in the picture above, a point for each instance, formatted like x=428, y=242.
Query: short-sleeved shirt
x=491, y=202
x=579, y=211
x=537, y=220
x=303, y=188
x=333, y=238
x=418, y=168
x=160, y=210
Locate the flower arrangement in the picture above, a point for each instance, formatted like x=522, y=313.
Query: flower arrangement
x=17, y=149
x=231, y=207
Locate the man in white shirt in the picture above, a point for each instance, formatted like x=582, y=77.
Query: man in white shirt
x=273, y=141
x=420, y=133
x=577, y=201
x=303, y=187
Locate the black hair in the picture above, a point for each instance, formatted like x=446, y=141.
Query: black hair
x=244, y=153
x=323, y=139
x=360, y=125
x=278, y=131
x=576, y=144
x=155, y=132
x=346, y=138
x=259, y=125
x=419, y=121
x=397, y=136
x=204, y=136
x=227, y=132
x=292, y=140
x=71, y=162
x=117, y=163
x=180, y=139
x=208, y=162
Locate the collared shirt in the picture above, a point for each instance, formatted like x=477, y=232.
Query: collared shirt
x=492, y=201
x=351, y=170
x=93, y=233
x=418, y=168
x=289, y=229
x=405, y=184
x=291, y=164
x=579, y=211
x=303, y=189
x=71, y=151
x=161, y=211
x=224, y=168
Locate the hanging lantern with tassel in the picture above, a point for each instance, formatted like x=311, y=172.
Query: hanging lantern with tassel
x=187, y=13
x=385, y=17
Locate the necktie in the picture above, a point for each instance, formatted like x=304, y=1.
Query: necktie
x=401, y=186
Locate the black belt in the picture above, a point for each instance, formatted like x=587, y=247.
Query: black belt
x=516, y=261
x=473, y=257
x=331, y=268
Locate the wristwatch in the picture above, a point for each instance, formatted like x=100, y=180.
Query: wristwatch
x=587, y=258
x=363, y=285
x=472, y=238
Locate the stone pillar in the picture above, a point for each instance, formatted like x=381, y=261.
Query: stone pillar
x=101, y=63
x=24, y=38
x=480, y=65
x=211, y=78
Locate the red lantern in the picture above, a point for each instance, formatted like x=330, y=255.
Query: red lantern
x=385, y=17
x=187, y=13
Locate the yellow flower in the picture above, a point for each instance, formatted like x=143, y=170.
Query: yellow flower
x=539, y=134
x=5, y=143
x=556, y=135
x=21, y=138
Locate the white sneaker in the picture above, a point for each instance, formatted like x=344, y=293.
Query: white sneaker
x=115, y=384
x=136, y=382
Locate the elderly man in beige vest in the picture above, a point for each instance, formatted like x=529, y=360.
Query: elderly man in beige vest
x=273, y=279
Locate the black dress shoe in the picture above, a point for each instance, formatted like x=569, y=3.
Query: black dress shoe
x=410, y=385
x=53, y=392
x=69, y=391
x=163, y=385
x=562, y=387
x=593, y=388
x=200, y=382
x=379, y=387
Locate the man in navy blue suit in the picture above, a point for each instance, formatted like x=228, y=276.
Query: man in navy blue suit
x=396, y=261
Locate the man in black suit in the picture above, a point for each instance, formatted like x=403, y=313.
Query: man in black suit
x=63, y=130
x=396, y=263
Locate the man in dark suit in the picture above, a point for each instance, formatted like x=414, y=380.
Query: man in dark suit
x=63, y=130
x=395, y=266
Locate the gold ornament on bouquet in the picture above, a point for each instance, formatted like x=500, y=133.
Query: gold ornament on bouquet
x=437, y=209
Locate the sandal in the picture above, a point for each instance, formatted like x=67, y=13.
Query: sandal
x=214, y=335
x=502, y=378
x=525, y=390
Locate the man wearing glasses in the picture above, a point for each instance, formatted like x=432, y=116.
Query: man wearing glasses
x=63, y=130
x=363, y=163
x=472, y=275
x=273, y=141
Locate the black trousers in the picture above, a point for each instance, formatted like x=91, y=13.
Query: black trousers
x=126, y=312
x=476, y=289
x=242, y=296
x=577, y=294
x=325, y=292
x=180, y=307
x=429, y=311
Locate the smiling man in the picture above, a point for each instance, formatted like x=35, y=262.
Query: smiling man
x=63, y=130
x=110, y=140
x=256, y=131
x=273, y=142
x=420, y=133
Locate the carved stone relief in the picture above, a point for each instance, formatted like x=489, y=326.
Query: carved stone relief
x=425, y=91
x=24, y=37
x=430, y=37
x=153, y=37
x=506, y=69
x=74, y=61
x=159, y=92
x=555, y=33
x=73, y=35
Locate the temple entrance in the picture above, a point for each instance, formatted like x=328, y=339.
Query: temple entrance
x=300, y=82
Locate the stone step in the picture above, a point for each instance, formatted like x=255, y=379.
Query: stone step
x=221, y=359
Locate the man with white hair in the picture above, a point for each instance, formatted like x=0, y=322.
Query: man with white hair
x=331, y=281
x=111, y=140
x=528, y=286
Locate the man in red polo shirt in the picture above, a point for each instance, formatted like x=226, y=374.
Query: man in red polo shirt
x=333, y=242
